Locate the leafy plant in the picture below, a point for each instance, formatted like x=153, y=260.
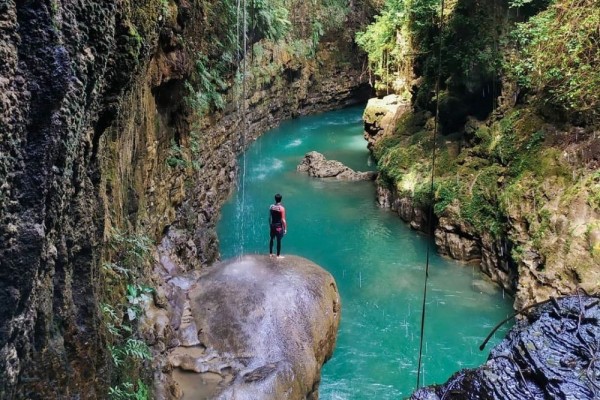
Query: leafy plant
x=379, y=41
x=176, y=156
x=316, y=32
x=269, y=19
x=134, y=248
x=556, y=56
x=209, y=91
x=135, y=295
x=130, y=391
x=122, y=298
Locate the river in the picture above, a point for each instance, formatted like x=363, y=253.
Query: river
x=377, y=261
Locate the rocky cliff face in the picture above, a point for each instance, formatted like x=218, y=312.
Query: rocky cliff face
x=59, y=74
x=516, y=195
x=549, y=355
x=95, y=135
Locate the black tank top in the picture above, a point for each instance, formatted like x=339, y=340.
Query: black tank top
x=275, y=214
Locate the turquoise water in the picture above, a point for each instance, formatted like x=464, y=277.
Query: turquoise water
x=377, y=261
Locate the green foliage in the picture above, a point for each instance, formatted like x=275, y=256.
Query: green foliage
x=164, y=5
x=269, y=18
x=557, y=58
x=509, y=159
x=121, y=300
x=54, y=7
x=479, y=202
x=379, y=41
x=541, y=227
x=176, y=156
x=221, y=24
x=405, y=40
x=332, y=13
x=409, y=126
x=399, y=160
x=445, y=163
x=446, y=191
x=518, y=3
x=133, y=249
x=185, y=157
x=316, y=33
x=422, y=196
x=131, y=348
x=135, y=41
x=135, y=296
x=130, y=391
x=209, y=92
x=594, y=198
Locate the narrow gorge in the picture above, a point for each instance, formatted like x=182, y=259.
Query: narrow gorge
x=121, y=124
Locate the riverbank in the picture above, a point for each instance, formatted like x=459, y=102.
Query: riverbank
x=516, y=195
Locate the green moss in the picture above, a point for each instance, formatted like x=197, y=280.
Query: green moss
x=479, y=202
x=594, y=246
x=447, y=191
x=484, y=136
x=539, y=223
x=445, y=163
x=594, y=193
x=135, y=41
x=411, y=123
x=555, y=58
x=548, y=163
x=422, y=196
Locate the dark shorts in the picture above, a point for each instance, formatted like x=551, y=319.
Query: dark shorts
x=277, y=231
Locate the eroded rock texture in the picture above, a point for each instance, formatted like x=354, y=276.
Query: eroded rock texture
x=261, y=327
x=316, y=165
x=552, y=354
x=381, y=115
x=54, y=86
x=95, y=134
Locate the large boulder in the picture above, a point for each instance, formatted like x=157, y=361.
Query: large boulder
x=552, y=354
x=381, y=117
x=257, y=328
x=317, y=166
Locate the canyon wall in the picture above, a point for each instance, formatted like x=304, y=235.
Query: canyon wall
x=531, y=223
x=98, y=136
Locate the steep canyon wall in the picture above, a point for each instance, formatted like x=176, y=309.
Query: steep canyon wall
x=96, y=137
x=514, y=193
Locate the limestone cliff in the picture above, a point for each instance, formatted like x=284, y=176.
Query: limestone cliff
x=530, y=221
x=99, y=137
x=516, y=183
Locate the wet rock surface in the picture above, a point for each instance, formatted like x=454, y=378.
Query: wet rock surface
x=551, y=354
x=317, y=166
x=250, y=328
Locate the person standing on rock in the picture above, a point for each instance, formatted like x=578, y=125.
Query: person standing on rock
x=277, y=224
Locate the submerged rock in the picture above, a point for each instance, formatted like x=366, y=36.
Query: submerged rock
x=553, y=354
x=264, y=328
x=317, y=166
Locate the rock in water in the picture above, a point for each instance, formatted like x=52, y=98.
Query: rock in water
x=265, y=325
x=553, y=354
x=315, y=164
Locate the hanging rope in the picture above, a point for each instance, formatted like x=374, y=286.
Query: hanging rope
x=242, y=46
x=431, y=192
